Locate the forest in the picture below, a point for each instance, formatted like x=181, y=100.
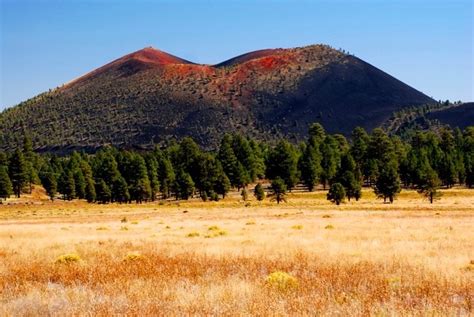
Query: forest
x=182, y=170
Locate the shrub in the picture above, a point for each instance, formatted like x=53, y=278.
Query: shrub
x=281, y=281
x=326, y=216
x=123, y=220
x=68, y=258
x=124, y=228
x=133, y=257
x=259, y=192
x=329, y=227
x=250, y=222
x=102, y=228
x=337, y=193
x=213, y=228
x=192, y=234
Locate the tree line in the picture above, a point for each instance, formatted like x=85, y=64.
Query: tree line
x=183, y=170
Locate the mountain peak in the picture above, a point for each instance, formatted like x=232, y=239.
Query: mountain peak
x=152, y=55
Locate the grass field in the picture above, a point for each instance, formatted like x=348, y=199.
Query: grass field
x=360, y=258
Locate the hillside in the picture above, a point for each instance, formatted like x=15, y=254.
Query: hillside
x=149, y=96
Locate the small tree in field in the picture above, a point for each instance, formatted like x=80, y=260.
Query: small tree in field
x=336, y=193
x=278, y=190
x=430, y=185
x=259, y=192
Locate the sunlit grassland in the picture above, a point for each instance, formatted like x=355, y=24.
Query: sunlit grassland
x=359, y=258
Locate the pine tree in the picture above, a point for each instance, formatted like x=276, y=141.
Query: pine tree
x=388, y=182
x=310, y=166
x=90, y=190
x=259, y=192
x=184, y=185
x=316, y=133
x=80, y=183
x=360, y=140
x=152, y=167
x=18, y=172
x=6, y=188
x=166, y=175
x=430, y=185
x=330, y=159
x=278, y=190
x=282, y=163
x=138, y=182
x=336, y=193
x=119, y=191
x=49, y=182
x=228, y=160
x=66, y=185
x=103, y=192
x=222, y=185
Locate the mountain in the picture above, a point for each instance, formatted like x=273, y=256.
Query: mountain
x=148, y=97
x=460, y=116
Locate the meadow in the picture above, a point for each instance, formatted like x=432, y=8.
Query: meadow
x=304, y=257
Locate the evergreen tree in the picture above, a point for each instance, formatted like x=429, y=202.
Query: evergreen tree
x=244, y=153
x=448, y=169
x=330, y=159
x=30, y=158
x=222, y=185
x=336, y=193
x=80, y=183
x=229, y=161
x=468, y=150
x=259, y=160
x=49, y=182
x=166, y=176
x=138, y=182
x=278, y=190
x=105, y=167
x=6, y=188
x=152, y=167
x=259, y=192
x=316, y=133
x=66, y=185
x=183, y=185
x=388, y=182
x=119, y=191
x=430, y=185
x=310, y=166
x=18, y=172
x=360, y=140
x=103, y=193
x=282, y=163
x=90, y=190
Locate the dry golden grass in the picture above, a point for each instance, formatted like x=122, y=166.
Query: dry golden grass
x=409, y=258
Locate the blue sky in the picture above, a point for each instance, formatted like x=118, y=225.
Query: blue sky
x=426, y=43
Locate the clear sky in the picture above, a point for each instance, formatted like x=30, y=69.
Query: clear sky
x=428, y=44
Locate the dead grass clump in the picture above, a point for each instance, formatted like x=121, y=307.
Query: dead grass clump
x=193, y=234
x=102, y=228
x=297, y=227
x=329, y=227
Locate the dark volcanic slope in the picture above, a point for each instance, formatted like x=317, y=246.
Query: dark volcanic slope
x=460, y=116
x=150, y=96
